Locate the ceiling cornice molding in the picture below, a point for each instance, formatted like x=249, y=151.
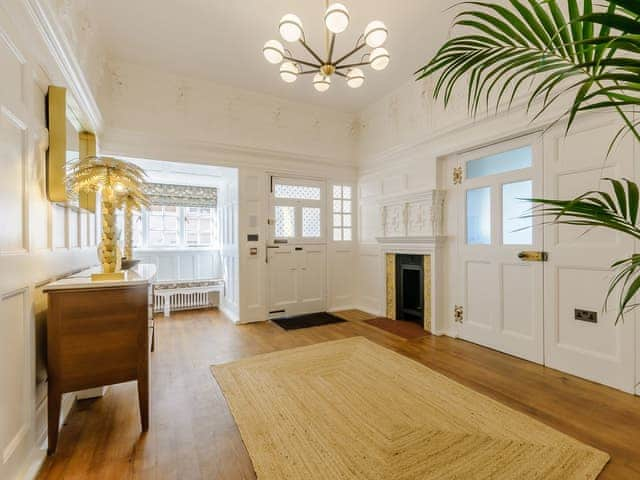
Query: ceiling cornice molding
x=144, y=145
x=60, y=49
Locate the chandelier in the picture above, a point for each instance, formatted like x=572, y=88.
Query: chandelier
x=336, y=20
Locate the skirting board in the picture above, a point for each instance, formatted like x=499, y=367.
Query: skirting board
x=39, y=451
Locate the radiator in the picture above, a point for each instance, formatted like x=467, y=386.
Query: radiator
x=182, y=301
x=184, y=297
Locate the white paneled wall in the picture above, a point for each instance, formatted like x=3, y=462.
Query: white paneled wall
x=182, y=264
x=38, y=242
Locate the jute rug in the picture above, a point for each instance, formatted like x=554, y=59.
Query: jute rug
x=350, y=409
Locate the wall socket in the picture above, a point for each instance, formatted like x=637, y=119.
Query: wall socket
x=586, y=315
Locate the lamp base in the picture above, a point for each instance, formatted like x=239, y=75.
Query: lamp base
x=102, y=277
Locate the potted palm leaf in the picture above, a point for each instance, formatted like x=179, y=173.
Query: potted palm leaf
x=587, y=55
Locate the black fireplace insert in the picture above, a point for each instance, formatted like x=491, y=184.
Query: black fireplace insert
x=410, y=288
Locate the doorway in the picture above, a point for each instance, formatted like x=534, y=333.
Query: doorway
x=502, y=284
x=297, y=247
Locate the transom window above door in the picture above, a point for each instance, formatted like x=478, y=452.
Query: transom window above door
x=297, y=211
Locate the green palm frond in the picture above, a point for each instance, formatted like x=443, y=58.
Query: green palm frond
x=617, y=211
x=534, y=45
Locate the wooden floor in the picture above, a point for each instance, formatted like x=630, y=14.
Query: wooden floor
x=193, y=436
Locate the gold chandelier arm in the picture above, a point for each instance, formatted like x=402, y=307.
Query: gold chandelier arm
x=351, y=65
x=302, y=62
x=332, y=44
x=340, y=74
x=310, y=50
x=306, y=72
x=344, y=57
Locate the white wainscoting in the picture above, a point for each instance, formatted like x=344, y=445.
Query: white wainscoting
x=39, y=242
x=182, y=264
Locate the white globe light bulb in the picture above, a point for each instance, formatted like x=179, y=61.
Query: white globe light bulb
x=375, y=34
x=273, y=51
x=355, y=78
x=379, y=58
x=289, y=72
x=291, y=28
x=321, y=83
x=336, y=18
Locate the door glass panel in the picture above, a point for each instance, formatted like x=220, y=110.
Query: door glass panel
x=311, y=222
x=298, y=192
x=500, y=163
x=337, y=234
x=515, y=229
x=285, y=222
x=479, y=216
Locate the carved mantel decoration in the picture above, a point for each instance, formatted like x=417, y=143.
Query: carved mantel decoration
x=412, y=216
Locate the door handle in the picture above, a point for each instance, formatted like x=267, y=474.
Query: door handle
x=533, y=256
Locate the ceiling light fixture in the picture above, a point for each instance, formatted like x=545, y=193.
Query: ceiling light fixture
x=336, y=20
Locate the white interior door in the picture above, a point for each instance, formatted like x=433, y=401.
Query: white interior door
x=577, y=274
x=503, y=302
x=297, y=247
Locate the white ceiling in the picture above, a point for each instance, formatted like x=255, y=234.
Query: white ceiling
x=222, y=41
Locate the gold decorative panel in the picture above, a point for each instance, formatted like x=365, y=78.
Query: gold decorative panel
x=391, y=285
x=427, y=293
x=86, y=199
x=57, y=153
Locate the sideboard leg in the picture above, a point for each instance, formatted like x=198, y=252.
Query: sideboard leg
x=53, y=412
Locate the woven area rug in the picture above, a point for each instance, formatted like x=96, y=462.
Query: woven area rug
x=350, y=409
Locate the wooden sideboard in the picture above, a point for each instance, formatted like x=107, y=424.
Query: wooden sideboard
x=98, y=334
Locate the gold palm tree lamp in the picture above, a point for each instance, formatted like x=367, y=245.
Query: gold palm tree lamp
x=108, y=176
x=131, y=202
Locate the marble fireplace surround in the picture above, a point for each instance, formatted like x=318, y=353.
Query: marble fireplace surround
x=412, y=224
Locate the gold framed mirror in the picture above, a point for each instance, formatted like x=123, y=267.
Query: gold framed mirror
x=67, y=142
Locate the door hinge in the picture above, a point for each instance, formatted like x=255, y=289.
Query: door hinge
x=457, y=175
x=458, y=313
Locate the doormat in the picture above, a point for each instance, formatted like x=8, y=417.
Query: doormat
x=306, y=321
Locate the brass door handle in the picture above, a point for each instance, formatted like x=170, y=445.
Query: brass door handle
x=533, y=256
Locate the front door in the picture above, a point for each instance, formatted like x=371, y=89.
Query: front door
x=501, y=286
x=297, y=247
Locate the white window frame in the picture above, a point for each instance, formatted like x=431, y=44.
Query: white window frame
x=298, y=205
x=342, y=214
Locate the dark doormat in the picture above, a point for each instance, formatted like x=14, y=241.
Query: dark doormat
x=306, y=321
x=406, y=330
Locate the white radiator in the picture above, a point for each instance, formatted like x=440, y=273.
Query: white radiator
x=184, y=297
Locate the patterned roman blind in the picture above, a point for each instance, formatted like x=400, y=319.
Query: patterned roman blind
x=181, y=195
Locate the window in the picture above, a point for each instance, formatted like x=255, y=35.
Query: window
x=164, y=226
x=200, y=226
x=297, y=210
x=516, y=227
x=500, y=163
x=479, y=216
x=342, y=213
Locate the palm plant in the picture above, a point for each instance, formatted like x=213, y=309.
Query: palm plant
x=588, y=55
x=109, y=176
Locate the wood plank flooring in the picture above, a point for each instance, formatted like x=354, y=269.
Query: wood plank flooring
x=193, y=436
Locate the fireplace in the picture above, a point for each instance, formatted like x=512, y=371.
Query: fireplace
x=408, y=285
x=410, y=288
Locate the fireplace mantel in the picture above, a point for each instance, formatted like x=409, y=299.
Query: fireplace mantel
x=422, y=241
x=415, y=217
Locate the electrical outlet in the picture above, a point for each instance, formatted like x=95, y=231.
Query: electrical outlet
x=586, y=315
